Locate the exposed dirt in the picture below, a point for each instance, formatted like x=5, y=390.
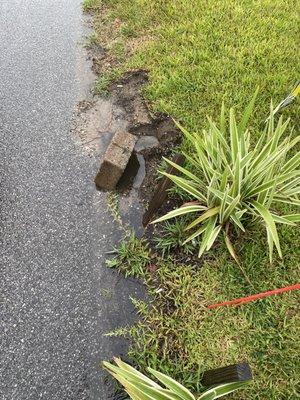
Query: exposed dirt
x=98, y=119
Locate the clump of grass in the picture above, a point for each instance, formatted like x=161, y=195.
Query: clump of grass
x=102, y=84
x=92, y=39
x=90, y=5
x=118, y=50
x=173, y=237
x=178, y=335
x=131, y=257
x=114, y=206
x=104, y=81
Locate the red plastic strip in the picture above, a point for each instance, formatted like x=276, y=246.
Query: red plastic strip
x=243, y=300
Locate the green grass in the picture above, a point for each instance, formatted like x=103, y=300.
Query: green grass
x=172, y=238
x=89, y=5
x=204, y=52
x=179, y=336
x=131, y=257
x=92, y=39
x=199, y=53
x=103, y=81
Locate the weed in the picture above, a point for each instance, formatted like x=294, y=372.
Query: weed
x=90, y=5
x=127, y=31
x=92, y=39
x=132, y=257
x=103, y=82
x=180, y=337
x=113, y=204
x=173, y=237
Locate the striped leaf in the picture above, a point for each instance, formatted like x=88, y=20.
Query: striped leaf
x=171, y=384
x=237, y=179
x=180, y=211
x=207, y=214
x=266, y=215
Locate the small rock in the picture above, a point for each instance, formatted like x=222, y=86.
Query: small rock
x=141, y=115
x=146, y=142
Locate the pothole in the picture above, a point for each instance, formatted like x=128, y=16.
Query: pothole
x=133, y=175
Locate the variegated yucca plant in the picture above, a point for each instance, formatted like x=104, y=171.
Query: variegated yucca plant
x=234, y=181
x=140, y=387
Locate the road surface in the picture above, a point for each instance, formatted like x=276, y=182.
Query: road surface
x=57, y=298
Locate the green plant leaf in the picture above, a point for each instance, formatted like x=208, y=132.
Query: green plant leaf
x=231, y=248
x=292, y=217
x=229, y=210
x=222, y=390
x=126, y=367
x=213, y=236
x=131, y=376
x=186, y=186
x=184, y=171
x=292, y=164
x=270, y=244
x=247, y=113
x=282, y=219
x=208, y=396
x=234, y=137
x=183, y=210
x=266, y=215
x=287, y=200
x=153, y=393
x=261, y=188
x=207, y=214
x=195, y=234
x=207, y=235
x=174, y=386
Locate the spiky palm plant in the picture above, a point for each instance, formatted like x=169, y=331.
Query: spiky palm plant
x=233, y=180
x=140, y=387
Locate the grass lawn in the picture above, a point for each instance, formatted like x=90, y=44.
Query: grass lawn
x=179, y=336
x=199, y=53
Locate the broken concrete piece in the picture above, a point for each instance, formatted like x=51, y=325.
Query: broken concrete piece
x=146, y=142
x=141, y=115
x=124, y=140
x=115, y=160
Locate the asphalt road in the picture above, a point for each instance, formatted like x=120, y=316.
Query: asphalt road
x=57, y=298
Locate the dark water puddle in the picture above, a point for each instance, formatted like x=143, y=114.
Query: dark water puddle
x=131, y=206
x=130, y=173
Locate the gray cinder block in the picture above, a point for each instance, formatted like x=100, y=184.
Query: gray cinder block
x=115, y=160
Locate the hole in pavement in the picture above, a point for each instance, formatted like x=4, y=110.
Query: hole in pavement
x=133, y=174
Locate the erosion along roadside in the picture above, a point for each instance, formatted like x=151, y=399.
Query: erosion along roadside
x=196, y=55
x=57, y=297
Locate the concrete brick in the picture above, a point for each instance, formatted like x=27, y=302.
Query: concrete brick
x=115, y=160
x=124, y=140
